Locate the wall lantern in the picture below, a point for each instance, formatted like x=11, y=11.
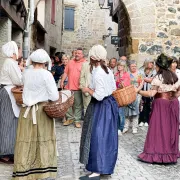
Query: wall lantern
x=109, y=34
x=109, y=4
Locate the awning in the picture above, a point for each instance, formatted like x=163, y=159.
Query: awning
x=39, y=25
x=15, y=10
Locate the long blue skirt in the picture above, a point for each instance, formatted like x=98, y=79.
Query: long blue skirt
x=99, y=140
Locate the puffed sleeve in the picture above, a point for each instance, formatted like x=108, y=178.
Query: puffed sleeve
x=99, y=89
x=51, y=88
x=156, y=82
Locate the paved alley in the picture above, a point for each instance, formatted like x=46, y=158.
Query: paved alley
x=127, y=167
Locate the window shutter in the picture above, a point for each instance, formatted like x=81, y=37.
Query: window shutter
x=53, y=11
x=69, y=18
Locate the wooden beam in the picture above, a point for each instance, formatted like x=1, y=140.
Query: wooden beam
x=12, y=14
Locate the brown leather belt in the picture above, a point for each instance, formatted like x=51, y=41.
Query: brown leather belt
x=165, y=95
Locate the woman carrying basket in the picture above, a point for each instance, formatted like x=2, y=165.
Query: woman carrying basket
x=99, y=139
x=161, y=145
x=9, y=111
x=35, y=150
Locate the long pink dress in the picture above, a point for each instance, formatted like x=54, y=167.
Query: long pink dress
x=161, y=145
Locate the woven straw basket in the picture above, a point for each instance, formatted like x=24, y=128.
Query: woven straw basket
x=17, y=92
x=125, y=96
x=57, y=109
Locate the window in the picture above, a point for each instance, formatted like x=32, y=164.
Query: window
x=53, y=11
x=69, y=18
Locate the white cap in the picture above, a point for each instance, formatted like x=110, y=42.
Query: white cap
x=9, y=49
x=98, y=53
x=39, y=56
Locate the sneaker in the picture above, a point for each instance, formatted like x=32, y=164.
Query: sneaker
x=146, y=124
x=141, y=124
x=125, y=130
x=119, y=133
x=134, y=131
x=77, y=125
x=68, y=122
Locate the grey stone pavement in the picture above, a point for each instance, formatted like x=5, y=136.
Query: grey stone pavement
x=127, y=166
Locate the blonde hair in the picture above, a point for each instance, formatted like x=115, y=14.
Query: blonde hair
x=146, y=62
x=122, y=63
x=66, y=56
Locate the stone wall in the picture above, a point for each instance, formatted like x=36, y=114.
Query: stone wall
x=91, y=23
x=53, y=37
x=5, y=34
x=155, y=27
x=17, y=36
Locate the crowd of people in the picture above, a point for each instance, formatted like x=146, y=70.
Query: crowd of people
x=27, y=134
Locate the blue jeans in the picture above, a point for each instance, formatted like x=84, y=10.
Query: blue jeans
x=121, y=120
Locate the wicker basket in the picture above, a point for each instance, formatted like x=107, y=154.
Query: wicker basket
x=57, y=109
x=125, y=96
x=17, y=92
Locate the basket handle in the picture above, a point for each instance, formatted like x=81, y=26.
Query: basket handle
x=65, y=94
x=121, y=85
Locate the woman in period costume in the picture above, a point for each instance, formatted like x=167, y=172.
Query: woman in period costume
x=147, y=72
x=122, y=78
x=35, y=149
x=10, y=77
x=161, y=145
x=132, y=110
x=99, y=139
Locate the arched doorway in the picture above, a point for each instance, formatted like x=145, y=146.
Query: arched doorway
x=124, y=31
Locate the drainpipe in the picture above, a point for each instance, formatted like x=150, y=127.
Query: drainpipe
x=27, y=31
x=62, y=28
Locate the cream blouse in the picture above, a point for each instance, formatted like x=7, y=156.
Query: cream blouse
x=157, y=84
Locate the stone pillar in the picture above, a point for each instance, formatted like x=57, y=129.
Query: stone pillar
x=17, y=36
x=5, y=34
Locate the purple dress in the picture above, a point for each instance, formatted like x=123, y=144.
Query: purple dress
x=162, y=140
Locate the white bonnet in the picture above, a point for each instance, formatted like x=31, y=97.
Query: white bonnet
x=39, y=56
x=98, y=52
x=9, y=49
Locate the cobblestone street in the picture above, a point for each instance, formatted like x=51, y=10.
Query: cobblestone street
x=127, y=167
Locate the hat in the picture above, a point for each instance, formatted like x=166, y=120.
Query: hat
x=164, y=61
x=98, y=53
x=39, y=56
x=9, y=49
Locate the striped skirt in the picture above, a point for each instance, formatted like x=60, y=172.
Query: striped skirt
x=35, y=150
x=8, y=125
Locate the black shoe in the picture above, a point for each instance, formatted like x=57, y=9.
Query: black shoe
x=89, y=178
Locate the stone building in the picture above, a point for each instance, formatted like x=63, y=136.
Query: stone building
x=50, y=14
x=147, y=27
x=84, y=26
x=47, y=27
x=12, y=22
x=46, y=30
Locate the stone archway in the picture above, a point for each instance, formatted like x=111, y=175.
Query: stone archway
x=137, y=25
x=124, y=31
